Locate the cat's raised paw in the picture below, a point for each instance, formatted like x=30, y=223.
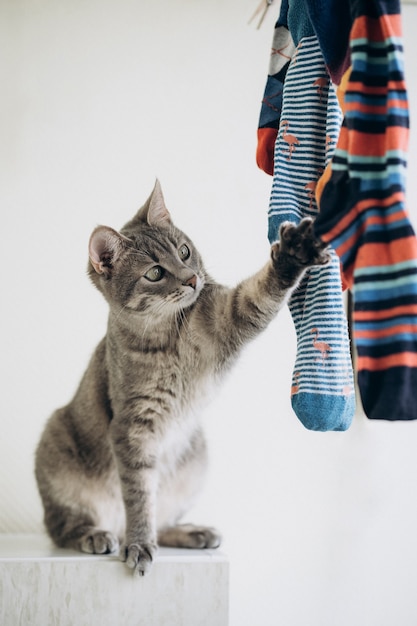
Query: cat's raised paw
x=139, y=557
x=299, y=241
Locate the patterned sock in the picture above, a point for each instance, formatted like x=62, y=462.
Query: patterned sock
x=322, y=389
x=281, y=53
x=362, y=213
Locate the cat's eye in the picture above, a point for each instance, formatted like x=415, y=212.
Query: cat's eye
x=154, y=274
x=184, y=252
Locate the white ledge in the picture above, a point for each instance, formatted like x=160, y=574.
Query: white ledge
x=41, y=585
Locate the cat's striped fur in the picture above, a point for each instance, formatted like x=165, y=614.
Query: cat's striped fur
x=122, y=462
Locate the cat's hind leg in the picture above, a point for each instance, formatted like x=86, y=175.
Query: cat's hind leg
x=80, y=513
x=189, y=536
x=78, y=530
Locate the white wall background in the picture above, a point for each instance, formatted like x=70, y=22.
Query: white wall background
x=98, y=98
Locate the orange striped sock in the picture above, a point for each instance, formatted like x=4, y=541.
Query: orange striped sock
x=363, y=215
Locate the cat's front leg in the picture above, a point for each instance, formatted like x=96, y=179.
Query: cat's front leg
x=298, y=248
x=140, y=545
x=136, y=457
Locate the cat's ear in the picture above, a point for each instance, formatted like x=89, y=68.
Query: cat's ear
x=157, y=212
x=105, y=247
x=153, y=212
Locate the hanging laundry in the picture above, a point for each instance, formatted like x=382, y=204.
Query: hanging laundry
x=361, y=193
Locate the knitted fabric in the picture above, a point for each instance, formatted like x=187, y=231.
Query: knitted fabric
x=363, y=214
x=322, y=387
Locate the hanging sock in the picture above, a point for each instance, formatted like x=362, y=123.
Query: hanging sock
x=363, y=215
x=281, y=54
x=322, y=388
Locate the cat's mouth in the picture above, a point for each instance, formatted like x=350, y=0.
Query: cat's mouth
x=187, y=293
x=190, y=290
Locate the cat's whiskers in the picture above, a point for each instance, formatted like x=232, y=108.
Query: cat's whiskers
x=179, y=322
x=148, y=320
x=120, y=311
x=155, y=313
x=182, y=323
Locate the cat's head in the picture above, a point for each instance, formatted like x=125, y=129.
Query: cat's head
x=150, y=266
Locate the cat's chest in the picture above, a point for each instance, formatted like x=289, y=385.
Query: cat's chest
x=171, y=377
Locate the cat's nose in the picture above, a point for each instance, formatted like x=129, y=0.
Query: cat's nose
x=191, y=282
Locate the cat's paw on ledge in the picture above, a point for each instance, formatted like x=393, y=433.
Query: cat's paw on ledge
x=139, y=556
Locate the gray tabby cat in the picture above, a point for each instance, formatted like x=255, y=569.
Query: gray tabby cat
x=124, y=459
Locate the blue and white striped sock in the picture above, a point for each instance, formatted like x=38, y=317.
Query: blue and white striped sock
x=322, y=390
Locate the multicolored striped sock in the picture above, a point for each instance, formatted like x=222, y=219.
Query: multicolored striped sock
x=363, y=215
x=322, y=389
